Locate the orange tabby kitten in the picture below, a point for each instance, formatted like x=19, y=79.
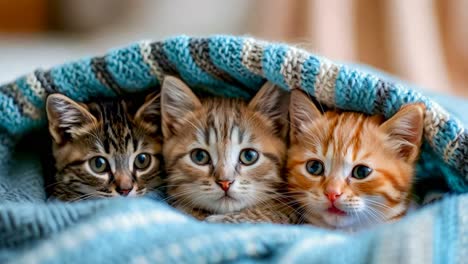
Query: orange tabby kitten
x=222, y=155
x=347, y=170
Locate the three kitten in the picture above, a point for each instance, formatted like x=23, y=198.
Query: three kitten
x=225, y=157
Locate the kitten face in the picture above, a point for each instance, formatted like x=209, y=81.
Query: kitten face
x=222, y=155
x=348, y=169
x=103, y=151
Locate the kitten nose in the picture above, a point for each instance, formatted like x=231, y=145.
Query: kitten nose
x=224, y=185
x=332, y=196
x=123, y=185
x=123, y=191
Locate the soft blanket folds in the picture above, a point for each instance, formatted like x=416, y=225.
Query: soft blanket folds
x=145, y=230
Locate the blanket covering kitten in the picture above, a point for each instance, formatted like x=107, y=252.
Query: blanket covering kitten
x=223, y=155
x=349, y=170
x=101, y=150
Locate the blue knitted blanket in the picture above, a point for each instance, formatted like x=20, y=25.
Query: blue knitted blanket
x=145, y=230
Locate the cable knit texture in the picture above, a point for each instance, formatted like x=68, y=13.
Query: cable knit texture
x=145, y=230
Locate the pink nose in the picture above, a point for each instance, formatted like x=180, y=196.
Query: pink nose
x=123, y=192
x=225, y=185
x=123, y=185
x=332, y=196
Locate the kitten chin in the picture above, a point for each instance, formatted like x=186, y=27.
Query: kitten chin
x=104, y=149
x=348, y=170
x=222, y=155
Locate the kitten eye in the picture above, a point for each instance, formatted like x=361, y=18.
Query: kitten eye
x=314, y=167
x=200, y=156
x=142, y=161
x=361, y=172
x=248, y=156
x=98, y=164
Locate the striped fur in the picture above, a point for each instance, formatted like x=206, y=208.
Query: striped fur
x=223, y=128
x=341, y=141
x=81, y=132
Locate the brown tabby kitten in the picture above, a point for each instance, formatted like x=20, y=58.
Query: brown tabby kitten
x=348, y=170
x=101, y=150
x=222, y=155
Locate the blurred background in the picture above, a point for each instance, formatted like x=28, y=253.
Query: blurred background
x=422, y=41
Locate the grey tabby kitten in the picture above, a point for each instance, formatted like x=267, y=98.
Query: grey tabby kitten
x=224, y=155
x=102, y=150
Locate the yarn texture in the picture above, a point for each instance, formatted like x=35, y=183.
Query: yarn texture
x=145, y=230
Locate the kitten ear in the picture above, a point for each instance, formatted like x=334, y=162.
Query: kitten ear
x=149, y=114
x=66, y=117
x=405, y=130
x=272, y=101
x=302, y=111
x=177, y=100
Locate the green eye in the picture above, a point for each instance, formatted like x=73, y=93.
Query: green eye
x=361, y=172
x=314, y=167
x=248, y=156
x=142, y=161
x=99, y=164
x=200, y=156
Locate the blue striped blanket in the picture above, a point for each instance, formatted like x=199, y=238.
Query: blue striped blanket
x=146, y=230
